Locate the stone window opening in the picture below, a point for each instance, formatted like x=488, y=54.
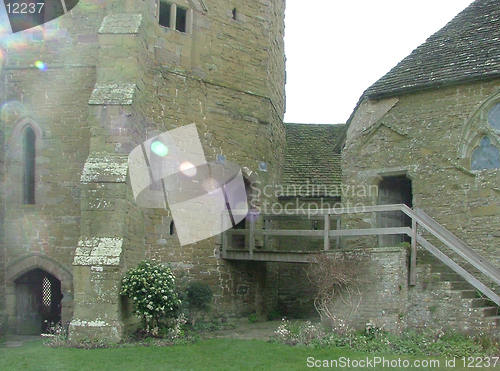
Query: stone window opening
x=479, y=145
x=29, y=154
x=175, y=17
x=494, y=116
x=486, y=156
x=172, y=228
x=235, y=14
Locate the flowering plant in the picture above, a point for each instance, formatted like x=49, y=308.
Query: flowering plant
x=152, y=288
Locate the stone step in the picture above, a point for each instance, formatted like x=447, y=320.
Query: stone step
x=452, y=276
x=493, y=318
x=483, y=313
x=461, y=285
x=487, y=311
x=442, y=269
x=478, y=302
x=486, y=323
x=468, y=294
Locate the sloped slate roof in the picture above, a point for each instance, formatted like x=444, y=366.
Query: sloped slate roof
x=466, y=49
x=310, y=160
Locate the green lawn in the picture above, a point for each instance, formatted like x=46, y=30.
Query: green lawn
x=215, y=354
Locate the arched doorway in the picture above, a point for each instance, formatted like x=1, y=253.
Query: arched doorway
x=38, y=302
x=394, y=190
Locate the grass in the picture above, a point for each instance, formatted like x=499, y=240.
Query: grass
x=214, y=354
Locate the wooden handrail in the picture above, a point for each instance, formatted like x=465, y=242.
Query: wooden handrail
x=417, y=216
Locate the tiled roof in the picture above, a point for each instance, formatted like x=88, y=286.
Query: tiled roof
x=310, y=161
x=466, y=49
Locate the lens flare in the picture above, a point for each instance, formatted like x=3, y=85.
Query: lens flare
x=210, y=185
x=40, y=65
x=159, y=148
x=11, y=111
x=188, y=169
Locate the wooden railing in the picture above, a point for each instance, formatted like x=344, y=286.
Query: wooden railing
x=418, y=218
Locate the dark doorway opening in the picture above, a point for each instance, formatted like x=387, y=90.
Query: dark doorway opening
x=240, y=241
x=394, y=190
x=38, y=302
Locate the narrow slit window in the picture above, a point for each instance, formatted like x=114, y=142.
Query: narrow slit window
x=164, y=14
x=181, y=20
x=29, y=166
x=172, y=228
x=235, y=14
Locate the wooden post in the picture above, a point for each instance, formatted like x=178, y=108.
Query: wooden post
x=251, y=246
x=267, y=225
x=327, y=232
x=338, y=237
x=224, y=236
x=413, y=253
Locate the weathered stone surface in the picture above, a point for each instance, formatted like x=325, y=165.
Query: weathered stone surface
x=98, y=251
x=121, y=94
x=105, y=169
x=121, y=24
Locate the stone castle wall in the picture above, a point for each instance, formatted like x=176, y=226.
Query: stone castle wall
x=113, y=77
x=422, y=135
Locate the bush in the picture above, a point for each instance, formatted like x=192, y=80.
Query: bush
x=334, y=278
x=372, y=339
x=198, y=296
x=151, y=286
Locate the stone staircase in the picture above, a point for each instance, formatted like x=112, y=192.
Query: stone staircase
x=453, y=301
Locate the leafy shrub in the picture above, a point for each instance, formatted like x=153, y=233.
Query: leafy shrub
x=252, y=318
x=372, y=339
x=151, y=286
x=273, y=315
x=198, y=295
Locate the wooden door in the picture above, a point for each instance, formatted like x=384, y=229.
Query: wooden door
x=28, y=304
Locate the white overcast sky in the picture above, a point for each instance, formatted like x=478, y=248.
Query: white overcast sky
x=336, y=49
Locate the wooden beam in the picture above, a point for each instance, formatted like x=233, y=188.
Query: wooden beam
x=290, y=232
x=370, y=232
x=270, y=256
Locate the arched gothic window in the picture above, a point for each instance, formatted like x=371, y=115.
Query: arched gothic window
x=486, y=156
x=29, y=154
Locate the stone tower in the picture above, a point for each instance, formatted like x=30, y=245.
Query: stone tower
x=83, y=91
